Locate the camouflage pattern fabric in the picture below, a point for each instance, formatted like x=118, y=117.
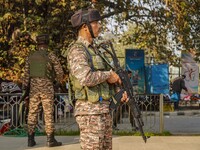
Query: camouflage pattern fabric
x=88, y=108
x=80, y=68
x=94, y=134
x=96, y=131
x=42, y=91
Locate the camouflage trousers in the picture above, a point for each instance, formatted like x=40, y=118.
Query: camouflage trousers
x=48, y=108
x=95, y=131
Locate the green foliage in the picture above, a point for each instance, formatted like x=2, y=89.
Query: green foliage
x=159, y=26
x=119, y=133
x=69, y=133
x=32, y=17
x=155, y=24
x=131, y=133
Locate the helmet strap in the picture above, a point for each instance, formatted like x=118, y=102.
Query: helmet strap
x=90, y=29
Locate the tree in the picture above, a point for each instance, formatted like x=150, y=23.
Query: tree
x=160, y=26
x=156, y=23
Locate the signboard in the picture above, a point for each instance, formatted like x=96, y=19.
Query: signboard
x=134, y=62
x=157, y=79
x=191, y=70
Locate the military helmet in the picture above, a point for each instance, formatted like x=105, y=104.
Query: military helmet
x=85, y=16
x=42, y=39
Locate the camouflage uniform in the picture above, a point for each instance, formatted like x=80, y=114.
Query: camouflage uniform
x=94, y=119
x=42, y=91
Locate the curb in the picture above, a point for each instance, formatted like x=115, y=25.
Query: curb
x=175, y=113
x=182, y=113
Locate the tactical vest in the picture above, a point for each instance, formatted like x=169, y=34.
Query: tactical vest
x=40, y=65
x=102, y=91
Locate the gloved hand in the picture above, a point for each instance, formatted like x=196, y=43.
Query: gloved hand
x=114, y=78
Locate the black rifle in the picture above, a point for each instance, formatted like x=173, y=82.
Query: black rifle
x=25, y=93
x=126, y=85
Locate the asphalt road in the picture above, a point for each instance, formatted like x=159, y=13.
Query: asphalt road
x=182, y=124
x=176, y=124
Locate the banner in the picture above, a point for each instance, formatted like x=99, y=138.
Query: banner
x=134, y=62
x=191, y=70
x=157, y=79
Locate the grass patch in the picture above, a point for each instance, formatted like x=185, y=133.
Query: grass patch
x=118, y=133
x=130, y=133
x=68, y=133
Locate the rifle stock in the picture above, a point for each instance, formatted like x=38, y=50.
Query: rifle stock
x=25, y=94
x=126, y=85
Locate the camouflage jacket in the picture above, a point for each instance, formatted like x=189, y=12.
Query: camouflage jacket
x=79, y=67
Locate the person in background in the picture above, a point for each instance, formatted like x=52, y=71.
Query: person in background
x=41, y=69
x=93, y=83
x=177, y=85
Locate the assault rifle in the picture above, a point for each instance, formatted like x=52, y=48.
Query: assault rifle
x=126, y=85
x=25, y=93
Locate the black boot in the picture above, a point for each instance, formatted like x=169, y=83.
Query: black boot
x=51, y=141
x=31, y=139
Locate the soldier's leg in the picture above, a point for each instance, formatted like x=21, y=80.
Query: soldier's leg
x=33, y=113
x=96, y=131
x=48, y=108
x=32, y=118
x=92, y=128
x=107, y=142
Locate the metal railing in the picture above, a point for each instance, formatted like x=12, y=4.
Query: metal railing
x=15, y=111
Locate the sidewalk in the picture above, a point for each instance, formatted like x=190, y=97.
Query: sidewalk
x=119, y=143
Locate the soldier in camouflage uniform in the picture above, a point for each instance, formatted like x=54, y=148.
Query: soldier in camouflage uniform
x=93, y=82
x=41, y=88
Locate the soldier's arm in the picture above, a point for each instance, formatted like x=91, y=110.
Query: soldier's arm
x=57, y=66
x=25, y=78
x=80, y=68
